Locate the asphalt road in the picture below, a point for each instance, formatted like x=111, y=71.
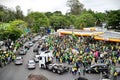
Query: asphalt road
x=20, y=72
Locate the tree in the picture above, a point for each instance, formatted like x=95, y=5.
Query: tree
x=37, y=20
x=85, y=20
x=3, y=28
x=58, y=22
x=20, y=24
x=100, y=18
x=71, y=19
x=75, y=6
x=11, y=33
x=6, y=14
x=58, y=13
x=48, y=14
x=113, y=19
x=12, y=30
x=19, y=14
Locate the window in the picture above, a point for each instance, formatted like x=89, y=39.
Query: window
x=40, y=58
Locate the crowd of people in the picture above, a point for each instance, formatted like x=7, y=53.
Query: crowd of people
x=8, y=54
x=83, y=51
x=79, y=51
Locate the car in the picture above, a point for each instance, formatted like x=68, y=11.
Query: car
x=19, y=60
x=44, y=49
x=30, y=44
x=36, y=39
x=36, y=58
x=22, y=51
x=97, y=68
x=36, y=48
x=27, y=47
x=31, y=64
x=44, y=37
x=58, y=68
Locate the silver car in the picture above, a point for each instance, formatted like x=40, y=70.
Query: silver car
x=30, y=44
x=19, y=60
x=22, y=51
x=31, y=64
x=36, y=58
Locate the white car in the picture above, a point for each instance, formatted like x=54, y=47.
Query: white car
x=30, y=44
x=31, y=64
x=44, y=37
x=22, y=51
x=19, y=60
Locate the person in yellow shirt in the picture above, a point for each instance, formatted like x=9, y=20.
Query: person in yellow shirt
x=61, y=60
x=75, y=70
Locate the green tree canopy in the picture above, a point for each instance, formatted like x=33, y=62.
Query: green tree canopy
x=7, y=14
x=100, y=18
x=113, y=19
x=37, y=20
x=71, y=19
x=85, y=20
x=12, y=30
x=11, y=33
x=20, y=24
x=48, y=14
x=59, y=22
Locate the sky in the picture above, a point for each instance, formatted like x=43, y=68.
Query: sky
x=60, y=5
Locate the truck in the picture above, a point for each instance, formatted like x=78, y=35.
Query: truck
x=46, y=62
x=58, y=68
x=45, y=58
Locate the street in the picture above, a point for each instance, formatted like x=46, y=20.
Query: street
x=20, y=72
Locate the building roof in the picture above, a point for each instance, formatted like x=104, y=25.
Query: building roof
x=99, y=34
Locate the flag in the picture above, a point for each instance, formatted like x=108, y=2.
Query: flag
x=73, y=35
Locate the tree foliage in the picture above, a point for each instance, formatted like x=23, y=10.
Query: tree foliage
x=85, y=20
x=7, y=14
x=75, y=7
x=58, y=21
x=12, y=33
x=71, y=19
x=19, y=13
x=100, y=18
x=48, y=14
x=113, y=19
x=37, y=20
x=57, y=13
x=12, y=30
x=20, y=24
x=13, y=23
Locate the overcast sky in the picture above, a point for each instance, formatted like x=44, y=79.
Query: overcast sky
x=60, y=5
